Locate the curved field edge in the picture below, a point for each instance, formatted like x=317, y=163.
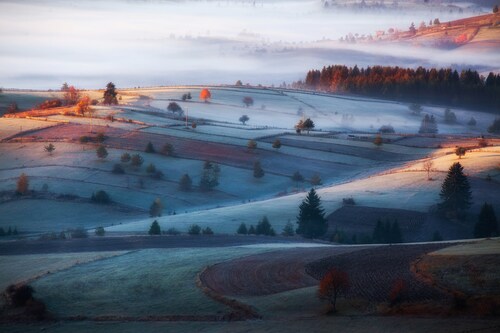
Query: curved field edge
x=153, y=283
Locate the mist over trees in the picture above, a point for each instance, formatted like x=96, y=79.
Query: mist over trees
x=435, y=85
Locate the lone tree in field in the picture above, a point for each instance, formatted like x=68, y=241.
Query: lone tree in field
x=174, y=107
x=311, y=220
x=210, y=176
x=428, y=125
x=264, y=227
x=136, y=160
x=125, y=158
x=185, y=183
x=110, y=94
x=167, y=149
x=251, y=145
x=242, y=229
x=205, y=95
x=83, y=105
x=315, y=180
x=460, y=151
x=297, y=178
x=455, y=191
x=308, y=125
x=335, y=283
x=22, y=184
x=101, y=152
x=258, y=172
x=486, y=225
x=156, y=208
x=49, y=148
x=243, y=119
x=248, y=101
x=150, y=148
x=428, y=167
x=154, y=229
x=277, y=144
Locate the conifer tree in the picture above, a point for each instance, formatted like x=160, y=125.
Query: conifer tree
x=242, y=229
x=311, y=220
x=185, y=183
x=486, y=225
x=455, y=191
x=110, y=94
x=154, y=229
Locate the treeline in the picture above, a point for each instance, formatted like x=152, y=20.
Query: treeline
x=436, y=86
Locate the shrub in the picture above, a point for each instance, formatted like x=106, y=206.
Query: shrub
x=19, y=295
x=348, y=201
x=101, y=152
x=154, y=229
x=118, y=169
x=194, y=229
x=99, y=231
x=136, y=160
x=85, y=139
x=248, y=101
x=125, y=158
x=243, y=119
x=242, y=229
x=167, y=149
x=79, y=233
x=100, y=197
x=251, y=145
x=172, y=231
x=49, y=148
x=207, y=231
x=277, y=144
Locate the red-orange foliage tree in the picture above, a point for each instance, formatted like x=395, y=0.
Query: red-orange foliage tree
x=205, y=95
x=83, y=105
x=332, y=285
x=71, y=96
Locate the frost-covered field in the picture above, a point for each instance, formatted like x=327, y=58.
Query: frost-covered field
x=157, y=282
x=407, y=188
x=22, y=268
x=12, y=126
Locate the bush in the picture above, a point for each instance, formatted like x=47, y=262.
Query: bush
x=348, y=201
x=194, y=229
x=100, y=137
x=136, y=160
x=19, y=295
x=167, y=149
x=85, y=139
x=154, y=229
x=100, y=197
x=79, y=233
x=125, y=158
x=101, y=152
x=99, y=231
x=172, y=231
x=207, y=231
x=118, y=169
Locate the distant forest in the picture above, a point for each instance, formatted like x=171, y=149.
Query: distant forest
x=421, y=85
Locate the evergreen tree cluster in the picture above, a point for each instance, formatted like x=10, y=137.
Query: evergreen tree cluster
x=428, y=125
x=486, y=225
x=435, y=85
x=263, y=228
x=9, y=232
x=386, y=233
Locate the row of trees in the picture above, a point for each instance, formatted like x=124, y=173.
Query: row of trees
x=435, y=85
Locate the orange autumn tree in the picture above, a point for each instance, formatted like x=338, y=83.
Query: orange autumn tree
x=83, y=105
x=71, y=96
x=205, y=95
x=333, y=284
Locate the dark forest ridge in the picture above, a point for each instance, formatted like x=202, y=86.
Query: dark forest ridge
x=421, y=85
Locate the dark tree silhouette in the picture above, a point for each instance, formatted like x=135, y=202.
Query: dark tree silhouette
x=22, y=184
x=455, y=193
x=248, y=101
x=311, y=220
x=136, y=160
x=277, y=144
x=495, y=127
x=167, y=149
x=264, y=227
x=150, y=148
x=125, y=158
x=49, y=148
x=297, y=178
x=486, y=225
x=428, y=125
x=242, y=229
x=156, y=208
x=307, y=125
x=258, y=172
x=210, y=176
x=185, y=183
x=101, y=152
x=154, y=229
x=174, y=107
x=243, y=119
x=110, y=94
x=460, y=151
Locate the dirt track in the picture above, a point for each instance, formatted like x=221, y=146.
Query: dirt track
x=267, y=273
x=96, y=244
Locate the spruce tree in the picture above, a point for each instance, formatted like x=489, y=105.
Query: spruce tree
x=265, y=228
x=486, y=225
x=311, y=220
x=455, y=191
x=379, y=233
x=110, y=94
x=154, y=229
x=185, y=183
x=242, y=229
